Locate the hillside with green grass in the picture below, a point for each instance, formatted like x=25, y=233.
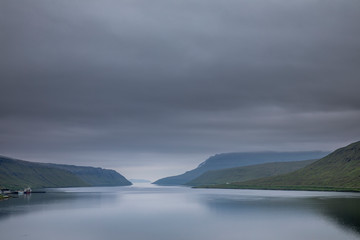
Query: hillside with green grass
x=338, y=171
x=94, y=176
x=18, y=174
x=246, y=173
x=240, y=159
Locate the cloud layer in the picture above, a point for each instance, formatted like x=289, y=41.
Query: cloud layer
x=115, y=82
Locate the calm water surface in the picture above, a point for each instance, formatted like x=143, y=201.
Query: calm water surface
x=174, y=213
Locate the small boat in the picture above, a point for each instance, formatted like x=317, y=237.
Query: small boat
x=27, y=191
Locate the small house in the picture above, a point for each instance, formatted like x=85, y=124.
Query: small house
x=5, y=191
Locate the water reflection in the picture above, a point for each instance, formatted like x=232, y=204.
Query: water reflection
x=343, y=211
x=37, y=202
x=181, y=213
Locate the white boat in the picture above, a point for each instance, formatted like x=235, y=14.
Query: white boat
x=27, y=191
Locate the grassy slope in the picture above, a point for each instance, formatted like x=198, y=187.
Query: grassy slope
x=231, y=160
x=17, y=174
x=246, y=173
x=339, y=171
x=95, y=176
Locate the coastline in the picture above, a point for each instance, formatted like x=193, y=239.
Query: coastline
x=284, y=188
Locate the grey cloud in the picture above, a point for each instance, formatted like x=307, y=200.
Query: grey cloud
x=170, y=77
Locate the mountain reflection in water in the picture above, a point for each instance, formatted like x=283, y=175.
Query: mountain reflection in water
x=181, y=213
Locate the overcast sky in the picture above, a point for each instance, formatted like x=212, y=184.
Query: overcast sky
x=152, y=88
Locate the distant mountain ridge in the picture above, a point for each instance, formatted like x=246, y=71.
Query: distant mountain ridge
x=15, y=173
x=239, y=174
x=338, y=171
x=230, y=160
x=139, y=181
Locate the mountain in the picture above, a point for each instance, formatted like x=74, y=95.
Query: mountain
x=240, y=174
x=230, y=160
x=340, y=170
x=94, y=176
x=17, y=174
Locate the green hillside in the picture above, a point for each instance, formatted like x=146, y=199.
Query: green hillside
x=238, y=159
x=339, y=171
x=17, y=174
x=95, y=176
x=240, y=174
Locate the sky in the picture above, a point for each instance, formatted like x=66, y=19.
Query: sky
x=153, y=88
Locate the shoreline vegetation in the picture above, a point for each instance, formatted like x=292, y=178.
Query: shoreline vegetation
x=3, y=197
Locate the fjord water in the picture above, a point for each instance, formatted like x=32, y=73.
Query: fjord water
x=156, y=213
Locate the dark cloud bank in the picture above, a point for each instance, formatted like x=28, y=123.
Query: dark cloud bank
x=160, y=85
